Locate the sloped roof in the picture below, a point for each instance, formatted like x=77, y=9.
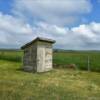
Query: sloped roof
x=38, y=39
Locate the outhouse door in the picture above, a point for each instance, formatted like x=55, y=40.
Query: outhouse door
x=41, y=59
x=48, y=58
x=44, y=59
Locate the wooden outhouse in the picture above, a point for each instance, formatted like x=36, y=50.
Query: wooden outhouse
x=38, y=55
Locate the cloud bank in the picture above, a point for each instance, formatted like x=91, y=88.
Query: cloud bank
x=60, y=12
x=32, y=18
x=15, y=32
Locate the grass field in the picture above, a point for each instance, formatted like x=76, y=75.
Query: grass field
x=79, y=58
x=58, y=84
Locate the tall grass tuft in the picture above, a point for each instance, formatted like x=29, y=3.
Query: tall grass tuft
x=14, y=56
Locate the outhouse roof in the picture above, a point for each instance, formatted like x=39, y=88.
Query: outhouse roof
x=38, y=39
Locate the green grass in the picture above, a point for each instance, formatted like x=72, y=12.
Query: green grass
x=11, y=55
x=78, y=58
x=58, y=84
x=62, y=58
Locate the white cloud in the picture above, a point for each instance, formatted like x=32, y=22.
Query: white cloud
x=50, y=29
x=59, y=12
x=89, y=35
x=13, y=31
x=85, y=31
x=86, y=36
x=9, y=23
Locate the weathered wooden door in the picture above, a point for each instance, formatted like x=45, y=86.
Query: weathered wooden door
x=41, y=59
x=48, y=58
x=44, y=58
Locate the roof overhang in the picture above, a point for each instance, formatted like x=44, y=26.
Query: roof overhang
x=38, y=39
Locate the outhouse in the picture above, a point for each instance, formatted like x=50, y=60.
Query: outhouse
x=38, y=55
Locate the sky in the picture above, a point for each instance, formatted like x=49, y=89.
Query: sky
x=74, y=24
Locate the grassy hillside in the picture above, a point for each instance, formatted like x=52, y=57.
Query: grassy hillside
x=11, y=55
x=80, y=58
x=59, y=84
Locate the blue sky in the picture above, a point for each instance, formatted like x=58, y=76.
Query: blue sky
x=95, y=13
x=6, y=6
x=74, y=24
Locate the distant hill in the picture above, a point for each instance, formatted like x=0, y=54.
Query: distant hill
x=1, y=49
x=63, y=50
x=55, y=50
